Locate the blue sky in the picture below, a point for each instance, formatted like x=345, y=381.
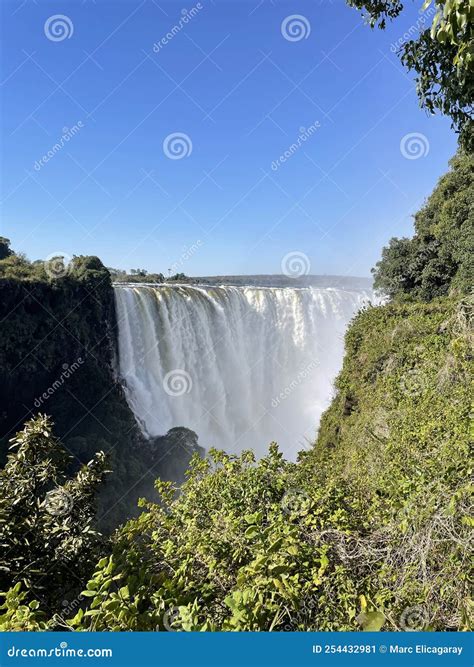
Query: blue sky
x=242, y=94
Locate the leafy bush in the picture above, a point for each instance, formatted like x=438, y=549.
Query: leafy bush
x=239, y=549
x=47, y=533
x=441, y=56
x=18, y=615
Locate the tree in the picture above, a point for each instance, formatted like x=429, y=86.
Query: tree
x=178, y=277
x=442, y=57
x=17, y=267
x=48, y=542
x=394, y=273
x=5, y=250
x=439, y=258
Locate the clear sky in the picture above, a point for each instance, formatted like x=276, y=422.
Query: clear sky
x=242, y=88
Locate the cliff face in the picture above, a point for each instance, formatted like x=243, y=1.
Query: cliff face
x=56, y=348
x=57, y=357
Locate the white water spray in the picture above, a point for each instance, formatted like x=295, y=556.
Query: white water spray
x=241, y=366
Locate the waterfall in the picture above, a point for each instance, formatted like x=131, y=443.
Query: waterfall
x=241, y=366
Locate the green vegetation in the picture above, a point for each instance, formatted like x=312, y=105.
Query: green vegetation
x=46, y=516
x=5, y=250
x=142, y=276
x=16, y=266
x=136, y=276
x=442, y=57
x=370, y=529
x=439, y=259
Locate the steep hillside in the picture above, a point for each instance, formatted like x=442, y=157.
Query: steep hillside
x=397, y=436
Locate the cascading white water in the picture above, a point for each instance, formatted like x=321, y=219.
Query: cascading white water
x=241, y=366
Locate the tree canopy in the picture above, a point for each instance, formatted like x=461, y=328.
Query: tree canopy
x=442, y=57
x=5, y=248
x=439, y=258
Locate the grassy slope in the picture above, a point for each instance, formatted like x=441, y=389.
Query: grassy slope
x=397, y=436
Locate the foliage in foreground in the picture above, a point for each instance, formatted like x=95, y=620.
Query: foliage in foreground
x=47, y=539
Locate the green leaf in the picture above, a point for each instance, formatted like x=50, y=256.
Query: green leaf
x=278, y=569
x=275, y=545
x=251, y=532
x=371, y=621
x=124, y=592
